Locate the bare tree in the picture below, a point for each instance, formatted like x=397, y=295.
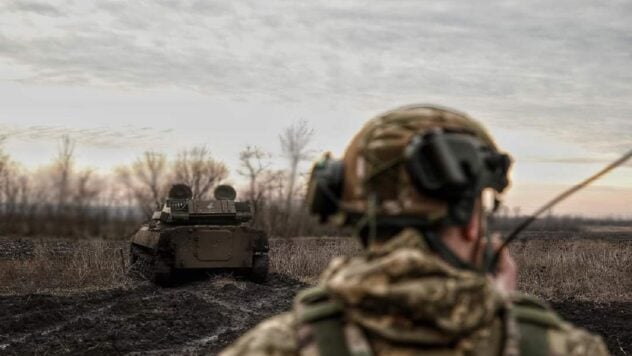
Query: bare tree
x=63, y=166
x=253, y=163
x=272, y=185
x=5, y=175
x=145, y=179
x=294, y=141
x=85, y=192
x=269, y=214
x=266, y=189
x=4, y=158
x=197, y=168
x=25, y=192
x=9, y=177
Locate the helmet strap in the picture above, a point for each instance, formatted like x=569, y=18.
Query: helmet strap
x=433, y=240
x=488, y=256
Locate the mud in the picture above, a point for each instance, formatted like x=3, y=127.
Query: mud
x=611, y=320
x=199, y=317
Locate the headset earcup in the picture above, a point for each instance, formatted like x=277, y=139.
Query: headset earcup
x=325, y=188
x=433, y=167
x=449, y=167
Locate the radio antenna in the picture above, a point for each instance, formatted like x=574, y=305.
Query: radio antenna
x=514, y=234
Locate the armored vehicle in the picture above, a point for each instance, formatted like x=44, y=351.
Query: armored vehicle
x=191, y=234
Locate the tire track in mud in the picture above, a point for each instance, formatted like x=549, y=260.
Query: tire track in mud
x=55, y=327
x=199, y=317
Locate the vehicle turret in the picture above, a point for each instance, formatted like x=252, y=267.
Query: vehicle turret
x=181, y=209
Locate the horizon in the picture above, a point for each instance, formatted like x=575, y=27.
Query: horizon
x=532, y=195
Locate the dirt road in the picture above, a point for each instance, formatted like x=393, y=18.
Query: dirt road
x=199, y=317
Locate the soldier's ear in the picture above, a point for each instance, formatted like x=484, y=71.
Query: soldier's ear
x=325, y=187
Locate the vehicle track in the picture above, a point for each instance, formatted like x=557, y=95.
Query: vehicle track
x=199, y=317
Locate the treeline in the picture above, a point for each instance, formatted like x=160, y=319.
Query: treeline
x=63, y=200
x=505, y=222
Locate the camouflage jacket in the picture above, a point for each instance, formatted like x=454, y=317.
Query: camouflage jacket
x=399, y=299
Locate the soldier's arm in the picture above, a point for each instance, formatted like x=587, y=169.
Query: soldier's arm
x=543, y=332
x=572, y=340
x=275, y=337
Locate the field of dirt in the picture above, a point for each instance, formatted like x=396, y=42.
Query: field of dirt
x=196, y=317
x=611, y=320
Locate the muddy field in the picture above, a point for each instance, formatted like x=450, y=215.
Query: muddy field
x=197, y=317
x=611, y=320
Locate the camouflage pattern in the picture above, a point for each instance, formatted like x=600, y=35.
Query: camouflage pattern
x=194, y=234
x=373, y=160
x=399, y=299
x=274, y=337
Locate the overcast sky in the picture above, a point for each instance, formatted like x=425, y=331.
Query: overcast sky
x=551, y=79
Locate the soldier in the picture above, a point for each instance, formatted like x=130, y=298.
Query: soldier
x=414, y=182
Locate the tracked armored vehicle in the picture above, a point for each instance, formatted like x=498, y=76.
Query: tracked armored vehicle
x=190, y=234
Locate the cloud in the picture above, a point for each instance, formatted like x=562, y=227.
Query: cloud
x=562, y=68
x=574, y=160
x=101, y=137
x=34, y=7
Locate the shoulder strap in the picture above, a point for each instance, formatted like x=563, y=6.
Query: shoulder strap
x=534, y=319
x=324, y=316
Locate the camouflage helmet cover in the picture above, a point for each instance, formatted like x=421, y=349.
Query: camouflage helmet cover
x=373, y=161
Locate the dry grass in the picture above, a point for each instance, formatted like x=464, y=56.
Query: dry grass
x=551, y=268
x=580, y=269
x=305, y=258
x=88, y=264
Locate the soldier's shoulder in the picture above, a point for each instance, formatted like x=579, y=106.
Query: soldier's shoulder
x=274, y=336
x=543, y=331
x=573, y=340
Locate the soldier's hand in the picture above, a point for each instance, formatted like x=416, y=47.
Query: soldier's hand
x=506, y=273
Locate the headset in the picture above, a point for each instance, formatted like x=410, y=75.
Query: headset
x=449, y=166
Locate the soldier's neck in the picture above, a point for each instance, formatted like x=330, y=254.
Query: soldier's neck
x=456, y=239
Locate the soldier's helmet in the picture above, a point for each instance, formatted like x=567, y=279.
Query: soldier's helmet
x=415, y=164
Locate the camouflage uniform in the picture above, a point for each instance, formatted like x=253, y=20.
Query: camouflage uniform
x=399, y=299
